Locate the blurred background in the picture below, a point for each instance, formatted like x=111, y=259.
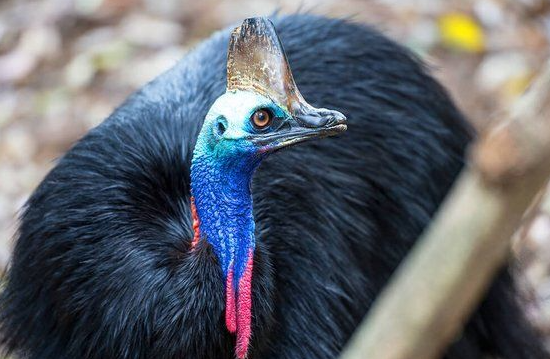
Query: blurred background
x=66, y=64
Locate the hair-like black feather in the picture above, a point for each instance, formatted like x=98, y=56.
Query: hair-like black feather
x=102, y=267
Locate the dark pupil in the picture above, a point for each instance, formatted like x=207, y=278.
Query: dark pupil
x=261, y=116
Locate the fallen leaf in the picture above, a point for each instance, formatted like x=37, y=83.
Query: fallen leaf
x=461, y=32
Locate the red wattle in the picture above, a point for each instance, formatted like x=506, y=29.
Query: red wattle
x=230, y=307
x=244, y=308
x=196, y=230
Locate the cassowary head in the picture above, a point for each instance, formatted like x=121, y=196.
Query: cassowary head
x=261, y=111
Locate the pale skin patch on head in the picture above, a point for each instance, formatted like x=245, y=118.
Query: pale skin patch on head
x=237, y=107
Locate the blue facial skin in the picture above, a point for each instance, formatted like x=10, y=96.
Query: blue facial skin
x=224, y=161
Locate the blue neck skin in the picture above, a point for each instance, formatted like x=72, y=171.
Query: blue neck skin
x=221, y=190
x=223, y=164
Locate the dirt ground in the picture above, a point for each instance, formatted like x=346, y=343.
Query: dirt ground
x=66, y=64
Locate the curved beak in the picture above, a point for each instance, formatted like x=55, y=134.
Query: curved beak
x=306, y=123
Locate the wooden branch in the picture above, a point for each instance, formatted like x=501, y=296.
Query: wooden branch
x=439, y=284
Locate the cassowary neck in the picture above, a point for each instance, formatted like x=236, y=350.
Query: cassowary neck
x=223, y=205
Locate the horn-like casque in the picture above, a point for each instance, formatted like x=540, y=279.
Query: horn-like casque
x=256, y=61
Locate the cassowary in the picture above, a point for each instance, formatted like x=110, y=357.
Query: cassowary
x=173, y=231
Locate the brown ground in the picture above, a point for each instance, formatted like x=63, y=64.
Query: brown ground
x=65, y=65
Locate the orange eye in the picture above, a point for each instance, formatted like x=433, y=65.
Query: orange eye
x=261, y=118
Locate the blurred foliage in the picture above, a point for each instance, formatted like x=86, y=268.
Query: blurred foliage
x=66, y=64
x=462, y=32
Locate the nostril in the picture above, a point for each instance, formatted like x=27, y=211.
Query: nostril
x=321, y=118
x=336, y=118
x=313, y=120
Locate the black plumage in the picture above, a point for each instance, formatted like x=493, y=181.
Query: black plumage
x=102, y=267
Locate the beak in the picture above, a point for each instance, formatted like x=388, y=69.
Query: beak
x=306, y=123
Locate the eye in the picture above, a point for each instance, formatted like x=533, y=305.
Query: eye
x=261, y=118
